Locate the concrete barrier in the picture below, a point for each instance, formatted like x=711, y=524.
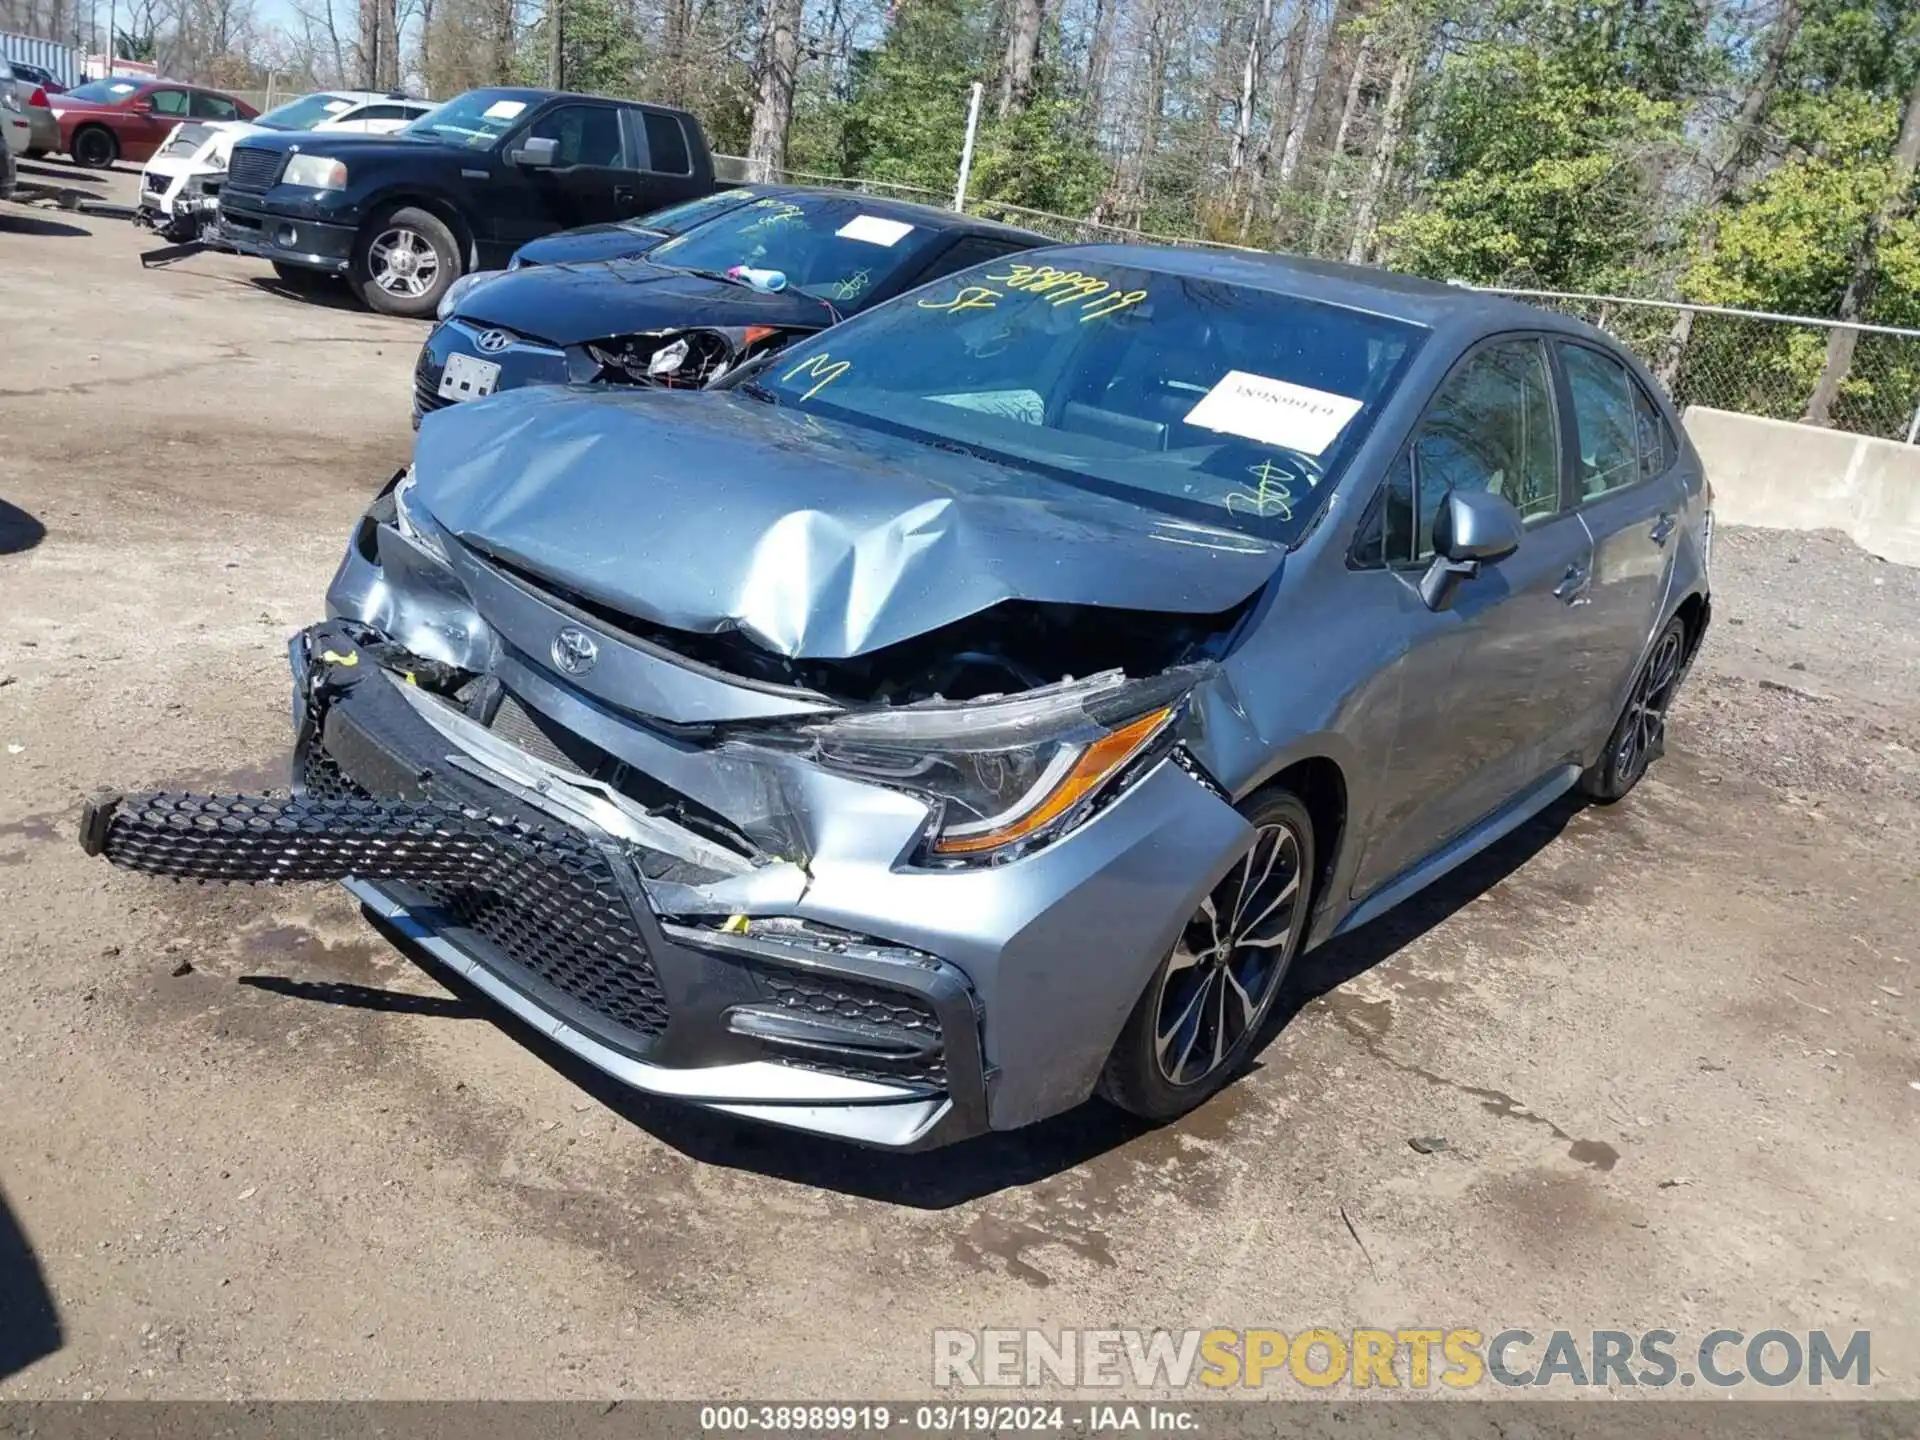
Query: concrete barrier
x=1784, y=476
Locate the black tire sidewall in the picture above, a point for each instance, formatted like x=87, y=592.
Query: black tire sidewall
x=89, y=137
x=1603, y=780
x=436, y=233
x=1131, y=1079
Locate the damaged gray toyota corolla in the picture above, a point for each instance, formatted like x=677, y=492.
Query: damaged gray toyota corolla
x=982, y=704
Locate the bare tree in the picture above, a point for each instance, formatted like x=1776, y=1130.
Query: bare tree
x=1385, y=146
x=1249, y=83
x=779, y=64
x=1742, y=147
x=1023, y=50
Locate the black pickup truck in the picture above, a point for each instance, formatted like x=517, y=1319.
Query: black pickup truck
x=403, y=216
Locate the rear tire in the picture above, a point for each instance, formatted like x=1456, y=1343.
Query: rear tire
x=1200, y=1015
x=33, y=154
x=404, y=261
x=1640, y=735
x=94, y=147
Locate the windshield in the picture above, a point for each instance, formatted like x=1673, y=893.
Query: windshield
x=305, y=113
x=477, y=118
x=1193, y=397
x=676, y=219
x=836, y=248
x=104, y=92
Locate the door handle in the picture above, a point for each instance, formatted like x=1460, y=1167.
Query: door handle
x=623, y=194
x=1573, y=585
x=1663, y=528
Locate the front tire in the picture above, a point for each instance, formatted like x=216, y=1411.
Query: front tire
x=404, y=262
x=95, y=148
x=1640, y=735
x=1198, y=1018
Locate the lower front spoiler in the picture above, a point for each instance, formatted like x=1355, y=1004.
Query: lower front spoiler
x=382, y=849
x=848, y=1109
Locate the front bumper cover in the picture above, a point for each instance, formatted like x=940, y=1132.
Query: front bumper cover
x=290, y=239
x=815, y=1029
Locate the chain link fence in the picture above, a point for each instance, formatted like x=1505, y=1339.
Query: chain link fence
x=1759, y=363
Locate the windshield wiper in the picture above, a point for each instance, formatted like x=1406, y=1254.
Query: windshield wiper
x=720, y=275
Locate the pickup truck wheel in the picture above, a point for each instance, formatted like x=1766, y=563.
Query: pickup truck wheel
x=94, y=147
x=404, y=262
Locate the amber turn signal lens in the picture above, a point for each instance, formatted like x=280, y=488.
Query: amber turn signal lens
x=1090, y=771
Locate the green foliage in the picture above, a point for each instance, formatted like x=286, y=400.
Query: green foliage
x=1537, y=172
x=602, y=53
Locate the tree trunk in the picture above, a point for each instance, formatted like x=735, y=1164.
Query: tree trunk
x=1894, y=207
x=1728, y=174
x=1286, y=84
x=1385, y=146
x=1023, y=49
x=1314, y=63
x=1099, y=60
x=556, y=44
x=502, y=41
x=773, y=105
x=1330, y=182
x=1249, y=81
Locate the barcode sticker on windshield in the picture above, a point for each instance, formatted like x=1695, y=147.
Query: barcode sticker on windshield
x=504, y=109
x=1274, y=412
x=875, y=230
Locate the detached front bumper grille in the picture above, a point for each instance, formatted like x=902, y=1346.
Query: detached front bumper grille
x=546, y=902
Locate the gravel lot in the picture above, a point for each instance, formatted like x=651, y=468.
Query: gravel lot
x=248, y=1149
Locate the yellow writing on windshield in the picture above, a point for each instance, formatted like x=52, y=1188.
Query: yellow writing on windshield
x=768, y=213
x=1096, y=297
x=823, y=369
x=971, y=297
x=1270, y=496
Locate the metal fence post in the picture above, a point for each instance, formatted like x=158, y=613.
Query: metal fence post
x=966, y=150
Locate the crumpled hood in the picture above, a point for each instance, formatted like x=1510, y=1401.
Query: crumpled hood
x=566, y=304
x=713, y=512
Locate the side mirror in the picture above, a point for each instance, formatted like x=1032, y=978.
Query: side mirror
x=1473, y=527
x=536, y=151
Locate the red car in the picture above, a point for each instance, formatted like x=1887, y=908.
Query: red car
x=125, y=117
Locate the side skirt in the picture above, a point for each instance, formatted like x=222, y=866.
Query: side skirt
x=1522, y=808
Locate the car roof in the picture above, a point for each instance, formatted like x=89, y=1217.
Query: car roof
x=537, y=94
x=930, y=217
x=372, y=97
x=1409, y=298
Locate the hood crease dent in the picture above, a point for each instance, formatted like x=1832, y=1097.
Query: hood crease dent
x=712, y=512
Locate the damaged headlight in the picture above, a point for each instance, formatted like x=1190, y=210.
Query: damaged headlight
x=411, y=521
x=679, y=358
x=463, y=287
x=1008, y=775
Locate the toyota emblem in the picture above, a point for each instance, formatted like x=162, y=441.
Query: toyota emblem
x=574, y=651
x=494, y=341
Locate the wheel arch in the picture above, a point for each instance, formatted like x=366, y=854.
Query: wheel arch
x=1696, y=613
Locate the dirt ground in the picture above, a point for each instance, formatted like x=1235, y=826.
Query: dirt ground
x=248, y=1149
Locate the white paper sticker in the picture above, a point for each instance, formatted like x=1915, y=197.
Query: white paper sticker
x=1274, y=412
x=875, y=230
x=334, y=107
x=504, y=109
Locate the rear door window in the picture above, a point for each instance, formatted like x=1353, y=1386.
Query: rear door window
x=213, y=107
x=1605, y=423
x=666, y=144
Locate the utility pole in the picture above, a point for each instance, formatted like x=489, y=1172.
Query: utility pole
x=556, y=45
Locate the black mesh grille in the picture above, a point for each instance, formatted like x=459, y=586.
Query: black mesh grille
x=566, y=924
x=249, y=168
x=906, y=1016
